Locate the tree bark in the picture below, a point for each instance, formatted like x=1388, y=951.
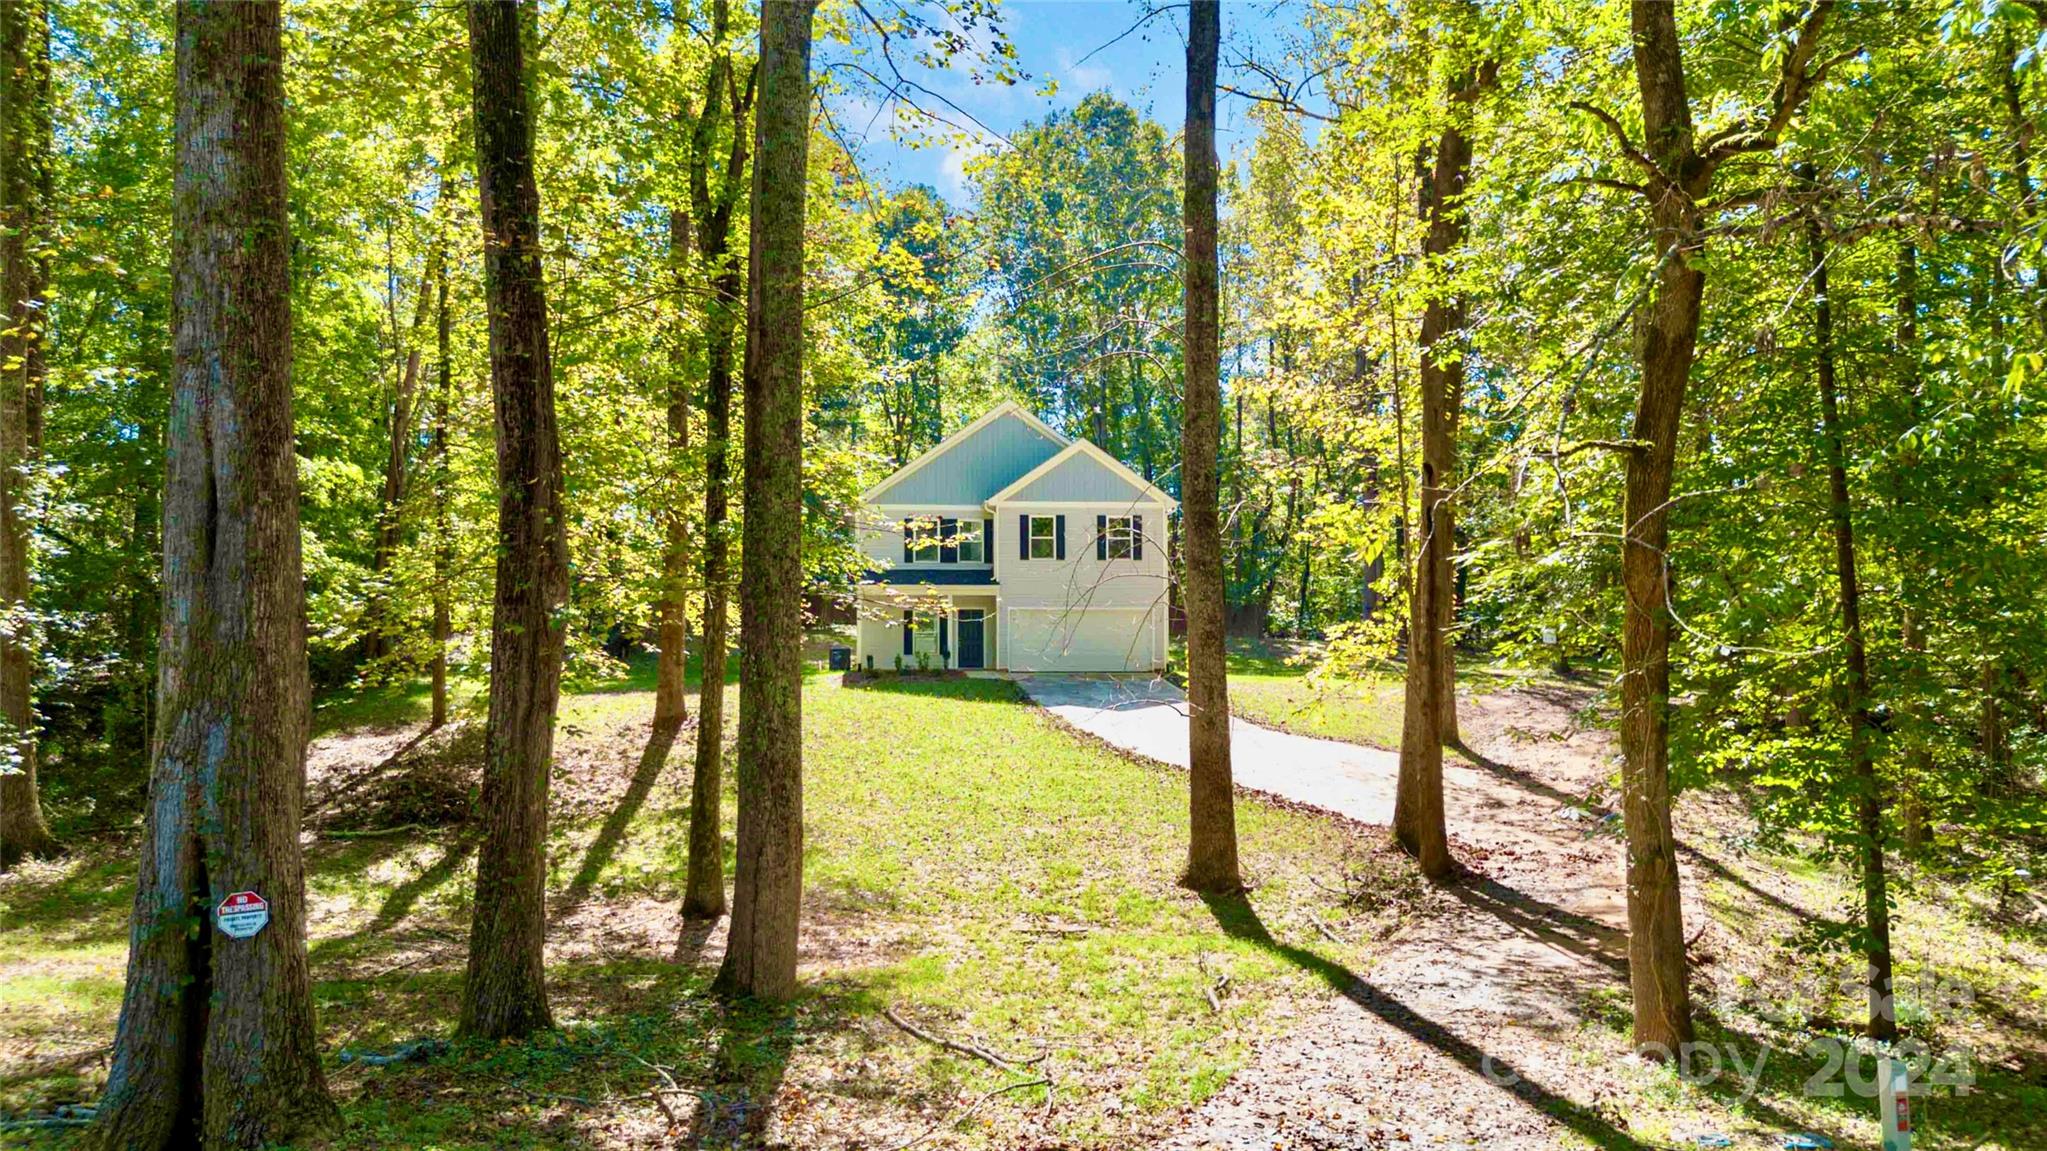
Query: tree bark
x=671, y=612
x=704, y=892
x=1431, y=708
x=1211, y=792
x=767, y=895
x=24, y=275
x=506, y=992
x=1916, y=817
x=444, y=534
x=1657, y=968
x=1883, y=1023
x=397, y=461
x=216, y=1044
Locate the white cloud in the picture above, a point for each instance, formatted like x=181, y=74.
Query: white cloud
x=1083, y=78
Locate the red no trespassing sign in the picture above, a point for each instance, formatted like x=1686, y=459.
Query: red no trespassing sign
x=242, y=914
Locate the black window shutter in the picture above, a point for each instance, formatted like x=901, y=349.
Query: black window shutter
x=908, y=551
x=1023, y=537
x=1059, y=537
x=948, y=541
x=988, y=541
x=944, y=648
x=1101, y=537
x=909, y=629
x=1137, y=537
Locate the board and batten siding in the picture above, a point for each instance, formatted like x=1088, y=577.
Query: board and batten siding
x=988, y=460
x=1079, y=478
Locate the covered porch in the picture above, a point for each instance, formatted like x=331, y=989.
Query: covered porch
x=920, y=624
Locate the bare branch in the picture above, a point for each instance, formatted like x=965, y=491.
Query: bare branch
x=1279, y=99
x=1111, y=41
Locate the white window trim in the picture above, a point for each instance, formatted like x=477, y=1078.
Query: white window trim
x=970, y=531
x=924, y=538
x=1051, y=537
x=1122, y=533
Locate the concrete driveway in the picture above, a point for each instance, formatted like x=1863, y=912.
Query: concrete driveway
x=1148, y=716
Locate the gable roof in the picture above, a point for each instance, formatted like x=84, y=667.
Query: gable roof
x=1083, y=473
x=1008, y=441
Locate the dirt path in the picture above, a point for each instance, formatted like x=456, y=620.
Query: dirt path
x=1459, y=1033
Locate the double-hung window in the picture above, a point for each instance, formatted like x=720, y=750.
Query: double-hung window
x=1122, y=538
x=1119, y=537
x=1044, y=538
x=972, y=548
x=922, y=534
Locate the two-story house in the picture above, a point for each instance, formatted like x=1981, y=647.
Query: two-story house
x=1012, y=547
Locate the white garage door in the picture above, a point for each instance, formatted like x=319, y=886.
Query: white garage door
x=1094, y=639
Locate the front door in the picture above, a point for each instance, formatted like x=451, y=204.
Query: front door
x=972, y=622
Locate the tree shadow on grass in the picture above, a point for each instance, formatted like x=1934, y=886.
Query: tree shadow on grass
x=601, y=850
x=1239, y=920
x=405, y=896
x=750, y=1059
x=1526, y=781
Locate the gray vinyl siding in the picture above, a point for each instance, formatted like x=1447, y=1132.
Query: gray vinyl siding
x=1123, y=588
x=1079, y=478
x=976, y=467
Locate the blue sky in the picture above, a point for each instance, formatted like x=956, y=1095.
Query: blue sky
x=1068, y=42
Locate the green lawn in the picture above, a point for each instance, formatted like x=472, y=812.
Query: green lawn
x=968, y=863
x=1277, y=689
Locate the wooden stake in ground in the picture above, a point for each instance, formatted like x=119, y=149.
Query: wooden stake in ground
x=767, y=891
x=216, y=1045
x=24, y=227
x=1212, y=825
x=506, y=992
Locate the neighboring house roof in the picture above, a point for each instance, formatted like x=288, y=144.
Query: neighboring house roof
x=1005, y=443
x=1083, y=473
x=935, y=577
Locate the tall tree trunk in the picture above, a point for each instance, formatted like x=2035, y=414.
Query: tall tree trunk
x=24, y=274
x=1679, y=173
x=1883, y=1023
x=397, y=458
x=1918, y=757
x=1990, y=730
x=444, y=535
x=506, y=992
x=216, y=1045
x=767, y=893
x=1431, y=708
x=671, y=705
x=704, y=891
x=1657, y=968
x=1211, y=792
